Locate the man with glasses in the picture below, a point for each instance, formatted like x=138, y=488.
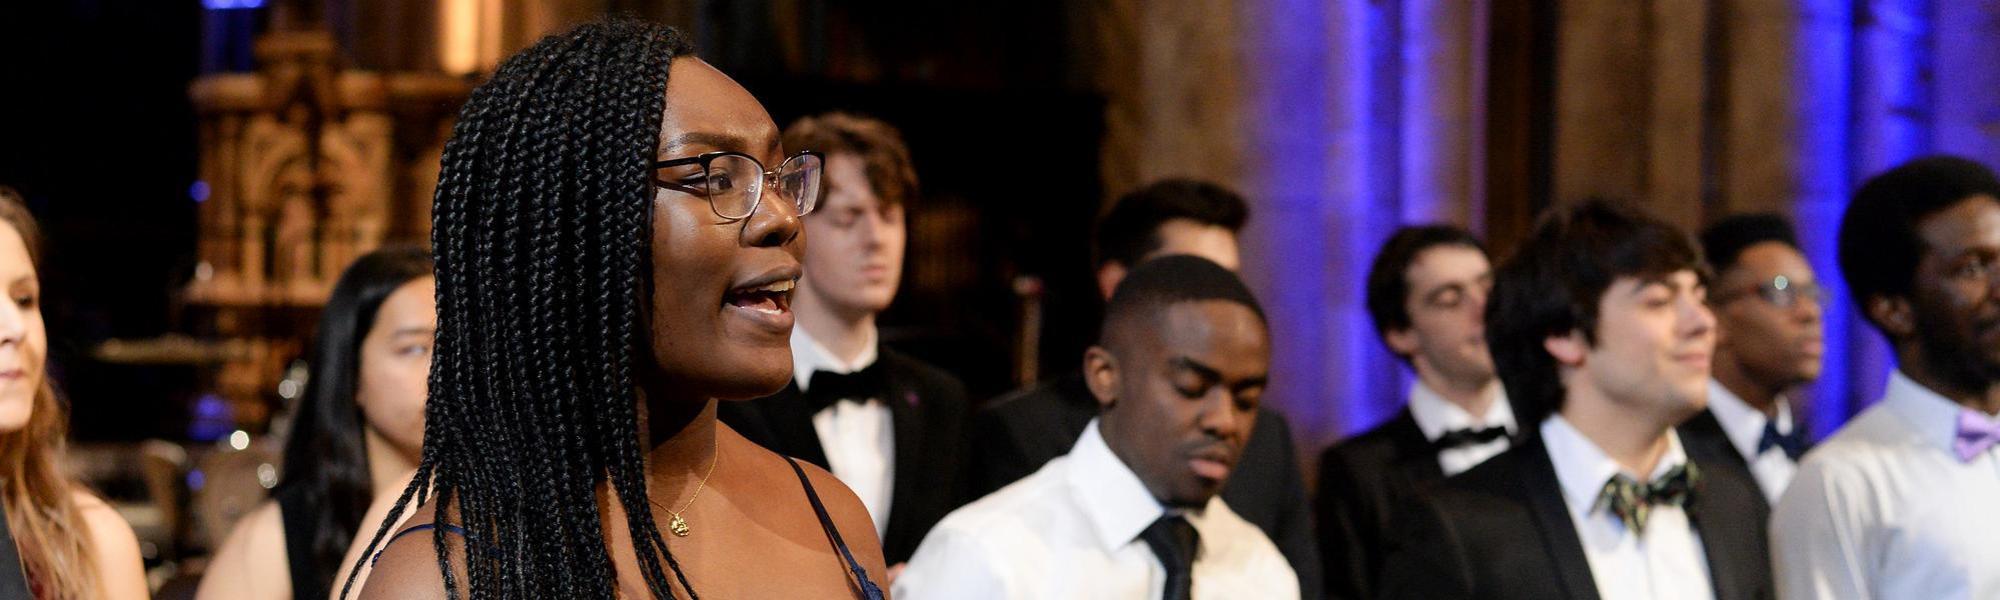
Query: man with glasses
x=1767, y=304
x=1427, y=293
x=888, y=425
x=1904, y=501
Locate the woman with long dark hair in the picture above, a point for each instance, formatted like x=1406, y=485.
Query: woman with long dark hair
x=617, y=234
x=359, y=428
x=72, y=546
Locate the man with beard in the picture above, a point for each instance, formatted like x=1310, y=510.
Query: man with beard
x=1767, y=304
x=1132, y=511
x=1427, y=293
x=1901, y=502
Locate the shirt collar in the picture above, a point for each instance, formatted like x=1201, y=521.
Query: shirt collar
x=1436, y=415
x=1744, y=424
x=1113, y=499
x=1582, y=467
x=809, y=355
x=1933, y=416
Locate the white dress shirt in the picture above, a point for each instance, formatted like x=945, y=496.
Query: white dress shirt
x=1668, y=561
x=1744, y=425
x=1885, y=509
x=1071, y=530
x=859, y=437
x=1435, y=416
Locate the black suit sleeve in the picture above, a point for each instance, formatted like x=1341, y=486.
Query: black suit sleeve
x=1426, y=560
x=997, y=458
x=931, y=451
x=1349, y=535
x=1294, y=528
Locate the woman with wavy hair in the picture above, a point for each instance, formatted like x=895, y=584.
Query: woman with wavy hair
x=72, y=545
x=617, y=233
x=359, y=428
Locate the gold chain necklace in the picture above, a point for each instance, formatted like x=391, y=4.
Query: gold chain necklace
x=679, y=525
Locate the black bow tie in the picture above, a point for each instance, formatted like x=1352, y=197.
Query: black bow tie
x=1467, y=437
x=1794, y=443
x=828, y=387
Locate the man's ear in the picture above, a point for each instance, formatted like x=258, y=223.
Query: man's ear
x=1108, y=277
x=1568, y=349
x=1401, y=341
x=1100, y=373
x=1894, y=314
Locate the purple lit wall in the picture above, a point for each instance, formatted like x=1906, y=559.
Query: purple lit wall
x=1880, y=82
x=1366, y=115
x=1363, y=118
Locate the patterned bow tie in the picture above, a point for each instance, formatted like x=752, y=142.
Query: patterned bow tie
x=1466, y=437
x=829, y=387
x=1976, y=433
x=1633, y=502
x=1794, y=443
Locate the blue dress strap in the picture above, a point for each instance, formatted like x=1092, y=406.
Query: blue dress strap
x=869, y=591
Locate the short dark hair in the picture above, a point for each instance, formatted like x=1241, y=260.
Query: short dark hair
x=1132, y=229
x=1553, y=283
x=885, y=159
x=1879, y=246
x=1174, y=279
x=1388, y=277
x=1724, y=241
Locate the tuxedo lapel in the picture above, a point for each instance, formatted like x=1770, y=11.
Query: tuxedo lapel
x=1543, y=495
x=1728, y=514
x=792, y=427
x=1417, y=462
x=1705, y=440
x=906, y=419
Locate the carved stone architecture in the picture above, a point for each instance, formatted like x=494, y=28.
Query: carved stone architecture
x=307, y=166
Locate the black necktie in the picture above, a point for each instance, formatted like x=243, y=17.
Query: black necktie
x=1174, y=540
x=1632, y=502
x=1467, y=437
x=1794, y=443
x=828, y=387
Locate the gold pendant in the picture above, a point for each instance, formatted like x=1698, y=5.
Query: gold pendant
x=679, y=526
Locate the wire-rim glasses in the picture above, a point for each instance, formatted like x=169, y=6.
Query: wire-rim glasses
x=734, y=182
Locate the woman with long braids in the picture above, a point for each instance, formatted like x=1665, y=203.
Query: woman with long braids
x=359, y=428
x=617, y=233
x=72, y=546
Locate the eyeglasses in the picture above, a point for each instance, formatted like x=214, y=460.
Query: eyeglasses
x=1782, y=292
x=734, y=182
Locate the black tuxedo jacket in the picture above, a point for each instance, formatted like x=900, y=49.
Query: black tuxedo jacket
x=1362, y=482
x=928, y=410
x=1015, y=435
x=1501, y=530
x=1707, y=442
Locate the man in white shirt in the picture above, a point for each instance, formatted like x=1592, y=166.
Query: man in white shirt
x=1901, y=503
x=1133, y=512
x=1427, y=294
x=1600, y=332
x=1015, y=434
x=1767, y=304
x=888, y=425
